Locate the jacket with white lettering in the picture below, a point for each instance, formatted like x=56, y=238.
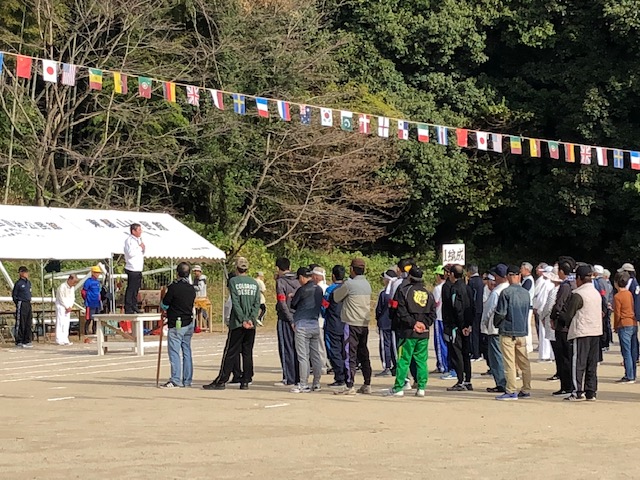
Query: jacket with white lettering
x=245, y=301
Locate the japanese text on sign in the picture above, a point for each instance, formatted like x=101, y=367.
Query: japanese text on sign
x=453, y=254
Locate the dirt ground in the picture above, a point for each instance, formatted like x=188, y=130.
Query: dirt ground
x=66, y=413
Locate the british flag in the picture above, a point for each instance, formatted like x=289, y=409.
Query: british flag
x=193, y=95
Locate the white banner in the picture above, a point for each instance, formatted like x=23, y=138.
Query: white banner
x=453, y=254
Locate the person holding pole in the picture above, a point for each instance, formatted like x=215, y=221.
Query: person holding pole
x=177, y=307
x=134, y=249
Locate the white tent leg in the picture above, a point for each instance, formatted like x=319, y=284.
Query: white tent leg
x=112, y=286
x=6, y=275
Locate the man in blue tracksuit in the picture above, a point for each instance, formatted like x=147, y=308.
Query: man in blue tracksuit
x=286, y=286
x=21, y=295
x=388, y=349
x=334, y=328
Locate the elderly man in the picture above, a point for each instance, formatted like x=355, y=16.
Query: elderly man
x=528, y=283
x=355, y=296
x=583, y=316
x=477, y=289
x=177, y=305
x=65, y=298
x=91, y=293
x=318, y=275
x=543, y=287
x=458, y=328
x=512, y=319
x=496, y=364
x=134, y=249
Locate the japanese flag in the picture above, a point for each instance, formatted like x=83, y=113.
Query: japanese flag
x=50, y=71
x=481, y=138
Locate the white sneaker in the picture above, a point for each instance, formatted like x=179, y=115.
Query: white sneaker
x=419, y=393
x=301, y=389
x=407, y=385
x=393, y=393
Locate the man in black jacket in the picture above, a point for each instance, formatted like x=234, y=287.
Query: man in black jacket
x=415, y=313
x=24, y=316
x=334, y=328
x=477, y=288
x=460, y=324
x=562, y=347
x=286, y=286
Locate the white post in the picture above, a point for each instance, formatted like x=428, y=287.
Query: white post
x=6, y=275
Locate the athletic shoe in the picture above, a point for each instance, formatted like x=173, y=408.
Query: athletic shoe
x=316, y=387
x=449, y=376
x=625, y=380
x=169, y=384
x=468, y=386
x=488, y=372
x=27, y=345
x=420, y=393
x=507, y=396
x=214, y=386
x=235, y=381
x=554, y=378
x=18, y=345
x=561, y=393
x=458, y=387
x=259, y=322
x=575, y=398
x=524, y=395
x=407, y=385
x=393, y=393
x=384, y=373
x=365, y=389
x=591, y=398
x=244, y=386
x=496, y=390
x=336, y=384
x=281, y=384
x=347, y=391
x=301, y=389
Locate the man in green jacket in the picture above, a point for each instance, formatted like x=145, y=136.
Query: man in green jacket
x=245, y=307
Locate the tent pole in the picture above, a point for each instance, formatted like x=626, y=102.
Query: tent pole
x=6, y=275
x=112, y=286
x=44, y=328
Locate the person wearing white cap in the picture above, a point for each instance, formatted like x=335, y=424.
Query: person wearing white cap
x=263, y=301
x=199, y=282
x=543, y=287
x=528, y=284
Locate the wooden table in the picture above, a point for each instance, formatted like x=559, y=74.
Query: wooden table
x=137, y=319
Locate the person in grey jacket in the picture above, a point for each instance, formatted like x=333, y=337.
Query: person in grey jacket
x=355, y=296
x=493, y=334
x=512, y=319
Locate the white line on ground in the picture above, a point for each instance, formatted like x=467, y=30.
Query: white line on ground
x=59, y=398
x=277, y=405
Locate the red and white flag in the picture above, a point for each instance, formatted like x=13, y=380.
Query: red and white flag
x=601, y=155
x=326, y=117
x=383, y=127
x=481, y=139
x=216, y=95
x=50, y=71
x=364, y=124
x=193, y=95
x=585, y=154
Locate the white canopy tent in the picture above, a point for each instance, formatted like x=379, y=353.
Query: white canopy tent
x=43, y=233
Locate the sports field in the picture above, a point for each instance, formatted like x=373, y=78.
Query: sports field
x=67, y=413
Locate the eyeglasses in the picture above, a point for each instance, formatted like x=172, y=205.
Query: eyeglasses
x=513, y=274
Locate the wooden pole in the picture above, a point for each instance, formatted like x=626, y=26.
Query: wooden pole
x=159, y=355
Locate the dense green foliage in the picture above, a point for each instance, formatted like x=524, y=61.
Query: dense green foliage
x=556, y=69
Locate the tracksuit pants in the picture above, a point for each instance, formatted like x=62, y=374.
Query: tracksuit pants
x=388, y=349
x=584, y=365
x=461, y=352
x=24, y=323
x=287, y=350
x=410, y=350
x=334, y=343
x=356, y=352
x=134, y=282
x=240, y=343
x=441, y=348
x=476, y=350
x=563, y=361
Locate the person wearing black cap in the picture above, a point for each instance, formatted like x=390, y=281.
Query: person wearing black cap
x=496, y=364
x=583, y=317
x=563, y=347
x=387, y=338
x=458, y=328
x=24, y=316
x=416, y=312
x=512, y=319
x=307, y=302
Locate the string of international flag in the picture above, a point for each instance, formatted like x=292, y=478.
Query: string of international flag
x=67, y=74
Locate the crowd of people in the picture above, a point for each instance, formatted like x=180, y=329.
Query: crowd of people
x=572, y=307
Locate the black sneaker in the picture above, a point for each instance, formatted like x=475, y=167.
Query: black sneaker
x=169, y=384
x=575, y=398
x=561, y=393
x=625, y=380
x=468, y=386
x=553, y=378
x=591, y=398
x=244, y=386
x=336, y=384
x=496, y=390
x=458, y=387
x=214, y=386
x=524, y=395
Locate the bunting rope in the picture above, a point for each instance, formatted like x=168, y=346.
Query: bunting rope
x=53, y=71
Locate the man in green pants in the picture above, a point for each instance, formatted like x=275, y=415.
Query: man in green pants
x=415, y=313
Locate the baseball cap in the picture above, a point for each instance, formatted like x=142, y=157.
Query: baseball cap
x=319, y=271
x=439, y=270
x=599, y=269
x=584, y=271
x=553, y=276
x=358, y=263
x=96, y=269
x=500, y=270
x=627, y=267
x=416, y=272
x=242, y=262
x=198, y=268
x=303, y=272
x=513, y=269
x=23, y=269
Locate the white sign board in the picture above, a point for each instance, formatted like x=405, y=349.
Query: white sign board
x=453, y=254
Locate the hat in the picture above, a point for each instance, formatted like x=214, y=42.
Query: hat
x=198, y=268
x=500, y=270
x=415, y=273
x=489, y=276
x=96, y=269
x=513, y=270
x=627, y=267
x=599, y=269
x=260, y=274
x=303, y=272
x=548, y=268
x=584, y=271
x=552, y=276
x=23, y=269
x=439, y=270
x=319, y=271
x=242, y=263
x=389, y=274
x=358, y=263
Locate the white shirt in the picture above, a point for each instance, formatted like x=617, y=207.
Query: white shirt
x=133, y=254
x=263, y=288
x=200, y=284
x=486, y=324
x=66, y=295
x=437, y=296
